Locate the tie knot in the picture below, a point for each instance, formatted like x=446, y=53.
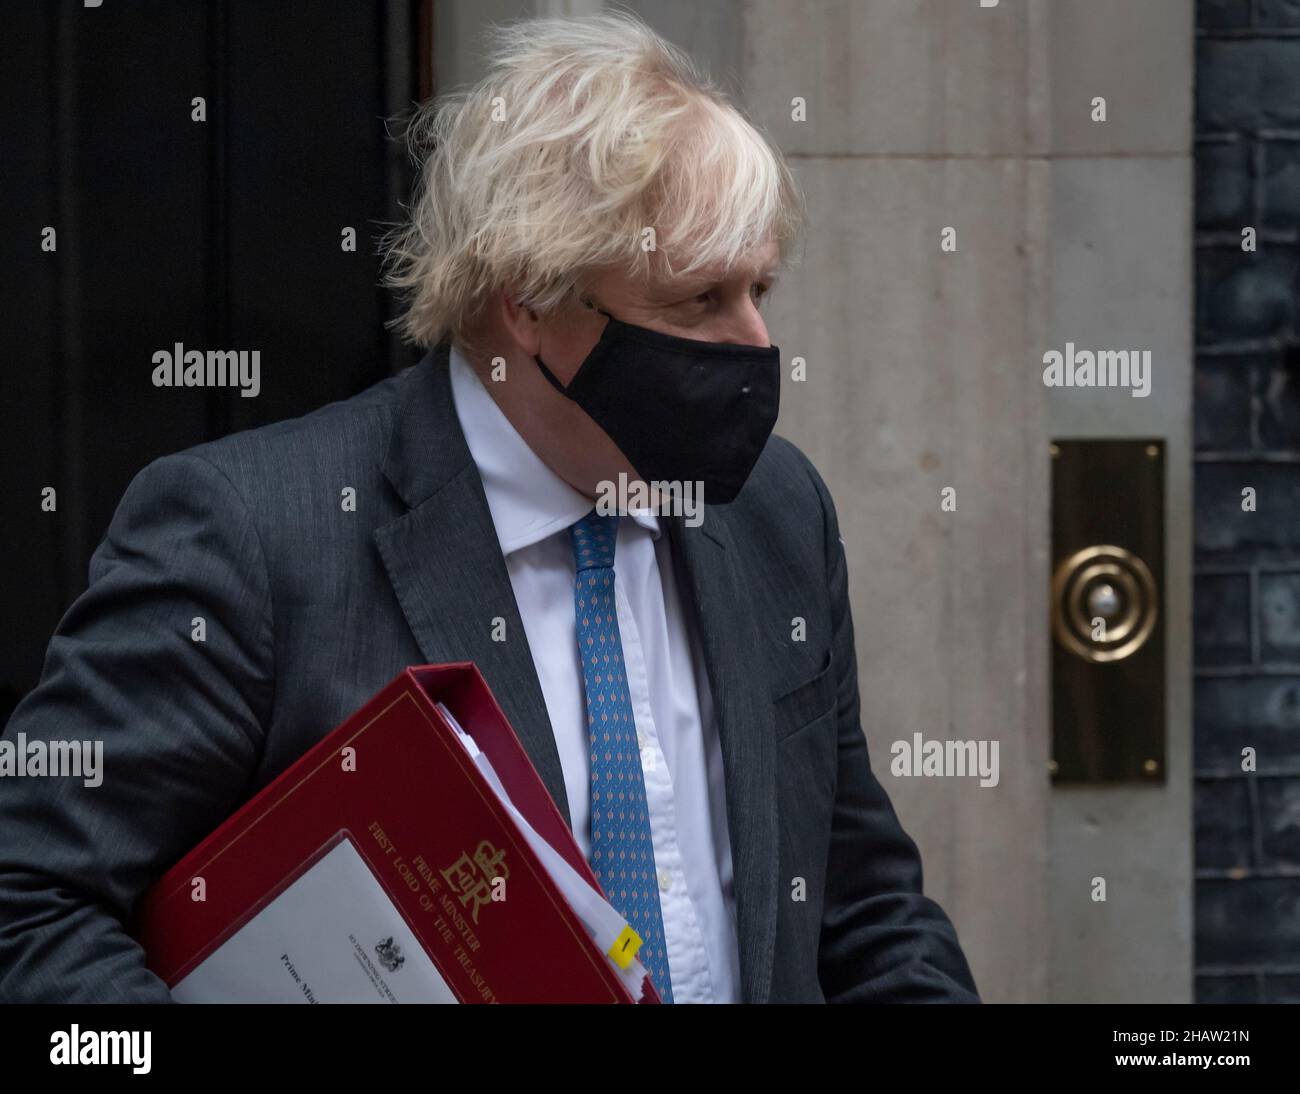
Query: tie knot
x=594, y=540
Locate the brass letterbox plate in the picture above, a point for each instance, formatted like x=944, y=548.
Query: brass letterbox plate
x=1107, y=625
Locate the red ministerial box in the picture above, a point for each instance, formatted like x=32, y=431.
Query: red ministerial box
x=419, y=812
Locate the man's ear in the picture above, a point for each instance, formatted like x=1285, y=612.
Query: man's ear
x=521, y=321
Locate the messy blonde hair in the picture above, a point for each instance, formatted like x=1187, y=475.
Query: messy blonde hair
x=584, y=132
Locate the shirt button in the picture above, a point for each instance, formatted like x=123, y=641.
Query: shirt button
x=665, y=881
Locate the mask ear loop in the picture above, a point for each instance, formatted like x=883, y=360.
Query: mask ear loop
x=549, y=375
x=555, y=383
x=587, y=302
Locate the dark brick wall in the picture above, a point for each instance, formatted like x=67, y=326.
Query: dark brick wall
x=1247, y=433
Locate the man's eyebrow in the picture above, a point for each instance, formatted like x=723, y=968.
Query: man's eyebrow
x=768, y=272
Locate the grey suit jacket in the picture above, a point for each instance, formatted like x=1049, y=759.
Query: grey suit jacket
x=310, y=608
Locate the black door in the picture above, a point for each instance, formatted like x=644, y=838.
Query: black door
x=180, y=171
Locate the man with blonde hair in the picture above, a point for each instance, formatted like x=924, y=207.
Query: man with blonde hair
x=578, y=489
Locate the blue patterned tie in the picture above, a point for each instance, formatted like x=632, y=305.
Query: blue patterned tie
x=622, y=848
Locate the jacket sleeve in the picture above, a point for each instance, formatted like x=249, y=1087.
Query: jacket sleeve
x=179, y=720
x=882, y=939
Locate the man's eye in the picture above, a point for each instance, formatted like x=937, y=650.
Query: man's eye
x=699, y=300
x=760, y=290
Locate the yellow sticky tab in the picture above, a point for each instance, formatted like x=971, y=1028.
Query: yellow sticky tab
x=625, y=947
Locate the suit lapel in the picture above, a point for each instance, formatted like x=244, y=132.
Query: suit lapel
x=445, y=563
x=729, y=632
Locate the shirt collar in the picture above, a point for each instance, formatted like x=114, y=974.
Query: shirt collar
x=528, y=500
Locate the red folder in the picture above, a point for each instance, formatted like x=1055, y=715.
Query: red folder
x=413, y=795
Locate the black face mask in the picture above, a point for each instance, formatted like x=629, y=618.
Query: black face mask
x=680, y=410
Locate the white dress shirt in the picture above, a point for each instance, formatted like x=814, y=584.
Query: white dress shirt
x=681, y=757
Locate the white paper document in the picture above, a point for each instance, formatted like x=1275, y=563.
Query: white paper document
x=333, y=936
x=598, y=916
